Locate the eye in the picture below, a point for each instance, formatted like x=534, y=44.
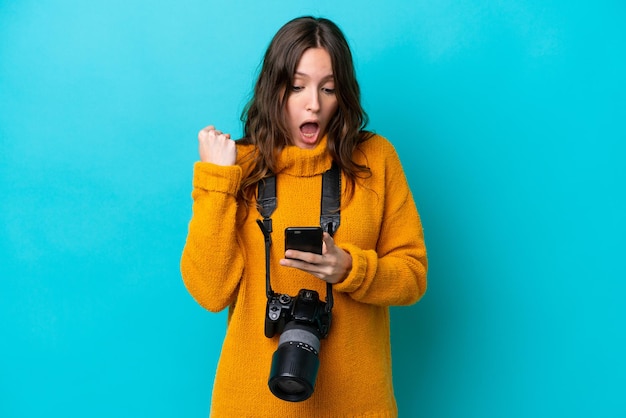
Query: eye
x=296, y=88
x=328, y=90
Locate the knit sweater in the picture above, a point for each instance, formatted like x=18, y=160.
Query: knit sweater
x=223, y=265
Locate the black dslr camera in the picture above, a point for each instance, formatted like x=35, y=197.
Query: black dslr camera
x=301, y=322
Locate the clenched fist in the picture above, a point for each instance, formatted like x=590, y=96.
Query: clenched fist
x=216, y=147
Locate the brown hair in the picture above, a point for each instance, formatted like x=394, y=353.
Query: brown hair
x=263, y=116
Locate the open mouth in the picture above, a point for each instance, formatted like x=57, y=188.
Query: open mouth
x=309, y=132
x=309, y=129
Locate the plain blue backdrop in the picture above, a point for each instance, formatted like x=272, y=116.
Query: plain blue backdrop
x=510, y=120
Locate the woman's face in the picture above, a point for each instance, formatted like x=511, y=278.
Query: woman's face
x=312, y=102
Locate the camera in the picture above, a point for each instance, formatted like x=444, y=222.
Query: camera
x=301, y=322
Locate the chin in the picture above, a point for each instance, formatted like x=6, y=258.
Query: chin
x=306, y=145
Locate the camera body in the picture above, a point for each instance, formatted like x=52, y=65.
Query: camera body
x=306, y=309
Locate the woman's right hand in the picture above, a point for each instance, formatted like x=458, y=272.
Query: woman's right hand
x=216, y=147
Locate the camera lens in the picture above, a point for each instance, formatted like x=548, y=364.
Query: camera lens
x=291, y=386
x=295, y=363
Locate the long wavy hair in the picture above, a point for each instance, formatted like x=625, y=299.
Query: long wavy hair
x=264, y=119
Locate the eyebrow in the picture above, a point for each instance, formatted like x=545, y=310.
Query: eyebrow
x=328, y=77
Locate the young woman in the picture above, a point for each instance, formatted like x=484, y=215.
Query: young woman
x=305, y=115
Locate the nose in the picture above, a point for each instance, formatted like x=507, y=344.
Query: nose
x=313, y=101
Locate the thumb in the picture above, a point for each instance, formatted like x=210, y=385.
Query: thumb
x=328, y=243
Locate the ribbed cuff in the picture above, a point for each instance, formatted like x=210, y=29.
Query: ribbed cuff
x=357, y=274
x=216, y=178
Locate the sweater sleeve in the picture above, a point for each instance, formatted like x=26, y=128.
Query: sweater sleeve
x=394, y=273
x=211, y=264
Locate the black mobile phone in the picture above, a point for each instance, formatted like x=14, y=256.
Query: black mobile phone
x=304, y=238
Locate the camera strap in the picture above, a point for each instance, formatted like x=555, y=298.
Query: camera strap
x=330, y=216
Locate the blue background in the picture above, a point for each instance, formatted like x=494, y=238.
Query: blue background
x=509, y=117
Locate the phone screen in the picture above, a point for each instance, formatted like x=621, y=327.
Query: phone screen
x=304, y=238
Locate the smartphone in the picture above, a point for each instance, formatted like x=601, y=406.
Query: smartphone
x=304, y=238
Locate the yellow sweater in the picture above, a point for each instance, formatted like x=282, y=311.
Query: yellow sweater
x=223, y=265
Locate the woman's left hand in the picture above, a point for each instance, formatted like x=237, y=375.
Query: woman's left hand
x=332, y=266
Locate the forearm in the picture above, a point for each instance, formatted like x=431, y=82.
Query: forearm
x=398, y=278
x=211, y=263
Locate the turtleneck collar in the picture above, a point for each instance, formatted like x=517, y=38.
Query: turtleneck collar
x=301, y=162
